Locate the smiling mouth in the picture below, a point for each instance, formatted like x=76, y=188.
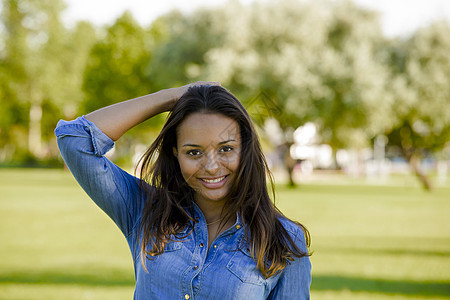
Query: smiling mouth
x=216, y=180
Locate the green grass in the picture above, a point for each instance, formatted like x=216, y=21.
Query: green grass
x=369, y=242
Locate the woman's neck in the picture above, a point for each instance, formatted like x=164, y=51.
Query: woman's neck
x=212, y=210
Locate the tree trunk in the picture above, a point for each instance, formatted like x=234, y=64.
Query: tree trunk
x=289, y=163
x=414, y=162
x=34, y=133
x=291, y=182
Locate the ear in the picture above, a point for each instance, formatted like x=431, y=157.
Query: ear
x=175, y=152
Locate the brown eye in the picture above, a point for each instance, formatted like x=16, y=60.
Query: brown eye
x=226, y=149
x=193, y=153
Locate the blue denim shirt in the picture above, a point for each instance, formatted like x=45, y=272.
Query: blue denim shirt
x=187, y=269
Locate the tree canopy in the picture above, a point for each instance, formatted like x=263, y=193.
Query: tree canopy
x=291, y=61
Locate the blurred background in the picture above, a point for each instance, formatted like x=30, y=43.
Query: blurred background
x=351, y=100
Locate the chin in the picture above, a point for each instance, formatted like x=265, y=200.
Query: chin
x=216, y=197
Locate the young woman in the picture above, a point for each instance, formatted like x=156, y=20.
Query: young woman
x=199, y=221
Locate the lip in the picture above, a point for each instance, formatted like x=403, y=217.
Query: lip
x=212, y=182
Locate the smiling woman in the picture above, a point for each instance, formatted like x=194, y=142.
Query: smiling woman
x=199, y=221
x=208, y=158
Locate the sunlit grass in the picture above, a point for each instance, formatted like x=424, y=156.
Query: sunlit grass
x=375, y=242
x=369, y=242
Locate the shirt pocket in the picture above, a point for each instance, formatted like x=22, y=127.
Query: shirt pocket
x=172, y=246
x=170, y=255
x=176, y=242
x=244, y=267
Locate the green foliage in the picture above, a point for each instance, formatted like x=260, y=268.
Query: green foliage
x=422, y=93
x=38, y=73
x=179, y=56
x=325, y=62
x=117, y=70
x=356, y=106
x=116, y=66
x=77, y=47
x=317, y=62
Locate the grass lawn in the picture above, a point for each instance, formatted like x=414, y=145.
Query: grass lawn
x=369, y=242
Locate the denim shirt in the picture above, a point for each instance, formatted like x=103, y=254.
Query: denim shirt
x=187, y=269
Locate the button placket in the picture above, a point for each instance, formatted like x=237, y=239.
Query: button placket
x=198, y=259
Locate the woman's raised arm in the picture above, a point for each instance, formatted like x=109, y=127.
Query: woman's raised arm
x=116, y=119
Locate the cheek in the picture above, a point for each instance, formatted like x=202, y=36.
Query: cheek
x=188, y=168
x=232, y=162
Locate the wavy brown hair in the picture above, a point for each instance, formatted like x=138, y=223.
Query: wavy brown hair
x=168, y=209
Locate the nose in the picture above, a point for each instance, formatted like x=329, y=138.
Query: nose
x=212, y=164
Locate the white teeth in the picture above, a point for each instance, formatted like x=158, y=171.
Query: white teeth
x=213, y=180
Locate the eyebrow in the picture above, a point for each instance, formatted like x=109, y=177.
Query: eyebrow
x=198, y=146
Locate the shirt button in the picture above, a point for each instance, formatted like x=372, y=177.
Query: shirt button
x=186, y=297
x=196, y=267
x=201, y=245
x=215, y=246
x=238, y=226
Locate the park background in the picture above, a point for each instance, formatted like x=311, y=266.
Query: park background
x=354, y=121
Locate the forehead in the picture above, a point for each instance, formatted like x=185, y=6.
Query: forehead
x=206, y=128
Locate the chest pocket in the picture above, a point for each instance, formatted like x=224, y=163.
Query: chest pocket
x=171, y=256
x=175, y=244
x=169, y=250
x=243, y=266
x=172, y=246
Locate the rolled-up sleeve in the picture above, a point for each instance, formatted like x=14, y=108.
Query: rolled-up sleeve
x=83, y=146
x=295, y=280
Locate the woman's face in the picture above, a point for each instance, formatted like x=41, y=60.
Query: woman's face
x=208, y=151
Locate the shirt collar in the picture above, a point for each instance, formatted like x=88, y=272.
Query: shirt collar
x=198, y=215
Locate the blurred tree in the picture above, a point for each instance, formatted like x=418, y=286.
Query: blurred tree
x=117, y=70
x=420, y=84
x=77, y=48
x=13, y=78
x=298, y=62
x=44, y=70
x=67, y=78
x=116, y=66
x=356, y=106
x=266, y=59
x=183, y=40
x=291, y=61
x=37, y=69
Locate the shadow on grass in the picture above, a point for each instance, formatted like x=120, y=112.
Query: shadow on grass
x=319, y=283
x=397, y=252
x=383, y=286
x=104, y=278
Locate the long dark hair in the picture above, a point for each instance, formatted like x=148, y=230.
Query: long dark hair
x=170, y=197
